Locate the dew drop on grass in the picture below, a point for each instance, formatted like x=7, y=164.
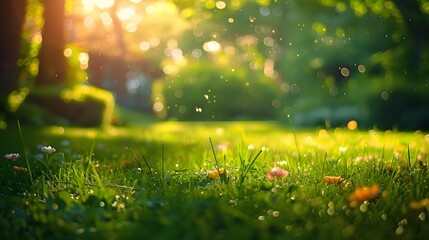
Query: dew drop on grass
x=55, y=206
x=102, y=204
x=422, y=216
x=348, y=212
x=364, y=207
x=384, y=217
x=276, y=213
x=399, y=230
x=330, y=211
x=261, y=218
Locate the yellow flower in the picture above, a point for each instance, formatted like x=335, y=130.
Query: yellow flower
x=417, y=205
x=214, y=174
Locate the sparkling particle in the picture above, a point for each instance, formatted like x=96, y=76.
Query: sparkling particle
x=345, y=72
x=422, y=216
x=385, y=95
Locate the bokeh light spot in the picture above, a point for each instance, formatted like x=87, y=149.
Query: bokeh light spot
x=352, y=125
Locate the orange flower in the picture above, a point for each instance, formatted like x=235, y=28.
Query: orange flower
x=18, y=169
x=335, y=180
x=364, y=194
x=214, y=174
x=277, y=172
x=417, y=205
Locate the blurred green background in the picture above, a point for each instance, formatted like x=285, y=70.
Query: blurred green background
x=316, y=62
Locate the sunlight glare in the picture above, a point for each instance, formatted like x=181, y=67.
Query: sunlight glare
x=68, y=52
x=150, y=9
x=158, y=106
x=88, y=21
x=154, y=42
x=220, y=4
x=131, y=27
x=104, y=4
x=125, y=13
x=89, y=5
x=105, y=18
x=211, y=46
x=144, y=46
x=83, y=59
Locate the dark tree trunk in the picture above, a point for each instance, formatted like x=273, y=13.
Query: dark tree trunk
x=12, y=14
x=52, y=68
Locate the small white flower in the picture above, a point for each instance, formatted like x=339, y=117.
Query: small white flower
x=48, y=149
x=342, y=149
x=12, y=156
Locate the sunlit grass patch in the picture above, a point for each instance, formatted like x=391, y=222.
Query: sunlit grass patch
x=214, y=180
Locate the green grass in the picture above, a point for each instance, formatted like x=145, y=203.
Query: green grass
x=149, y=181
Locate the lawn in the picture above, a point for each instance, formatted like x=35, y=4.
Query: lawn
x=216, y=180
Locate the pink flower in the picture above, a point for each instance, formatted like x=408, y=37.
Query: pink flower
x=277, y=172
x=12, y=156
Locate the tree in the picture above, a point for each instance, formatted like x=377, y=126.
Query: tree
x=412, y=26
x=52, y=68
x=417, y=28
x=12, y=14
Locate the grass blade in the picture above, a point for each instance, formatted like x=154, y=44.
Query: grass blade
x=25, y=153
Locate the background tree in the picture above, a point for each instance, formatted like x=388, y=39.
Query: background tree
x=52, y=66
x=12, y=15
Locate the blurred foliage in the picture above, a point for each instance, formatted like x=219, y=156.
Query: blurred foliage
x=206, y=92
x=323, y=62
x=77, y=105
